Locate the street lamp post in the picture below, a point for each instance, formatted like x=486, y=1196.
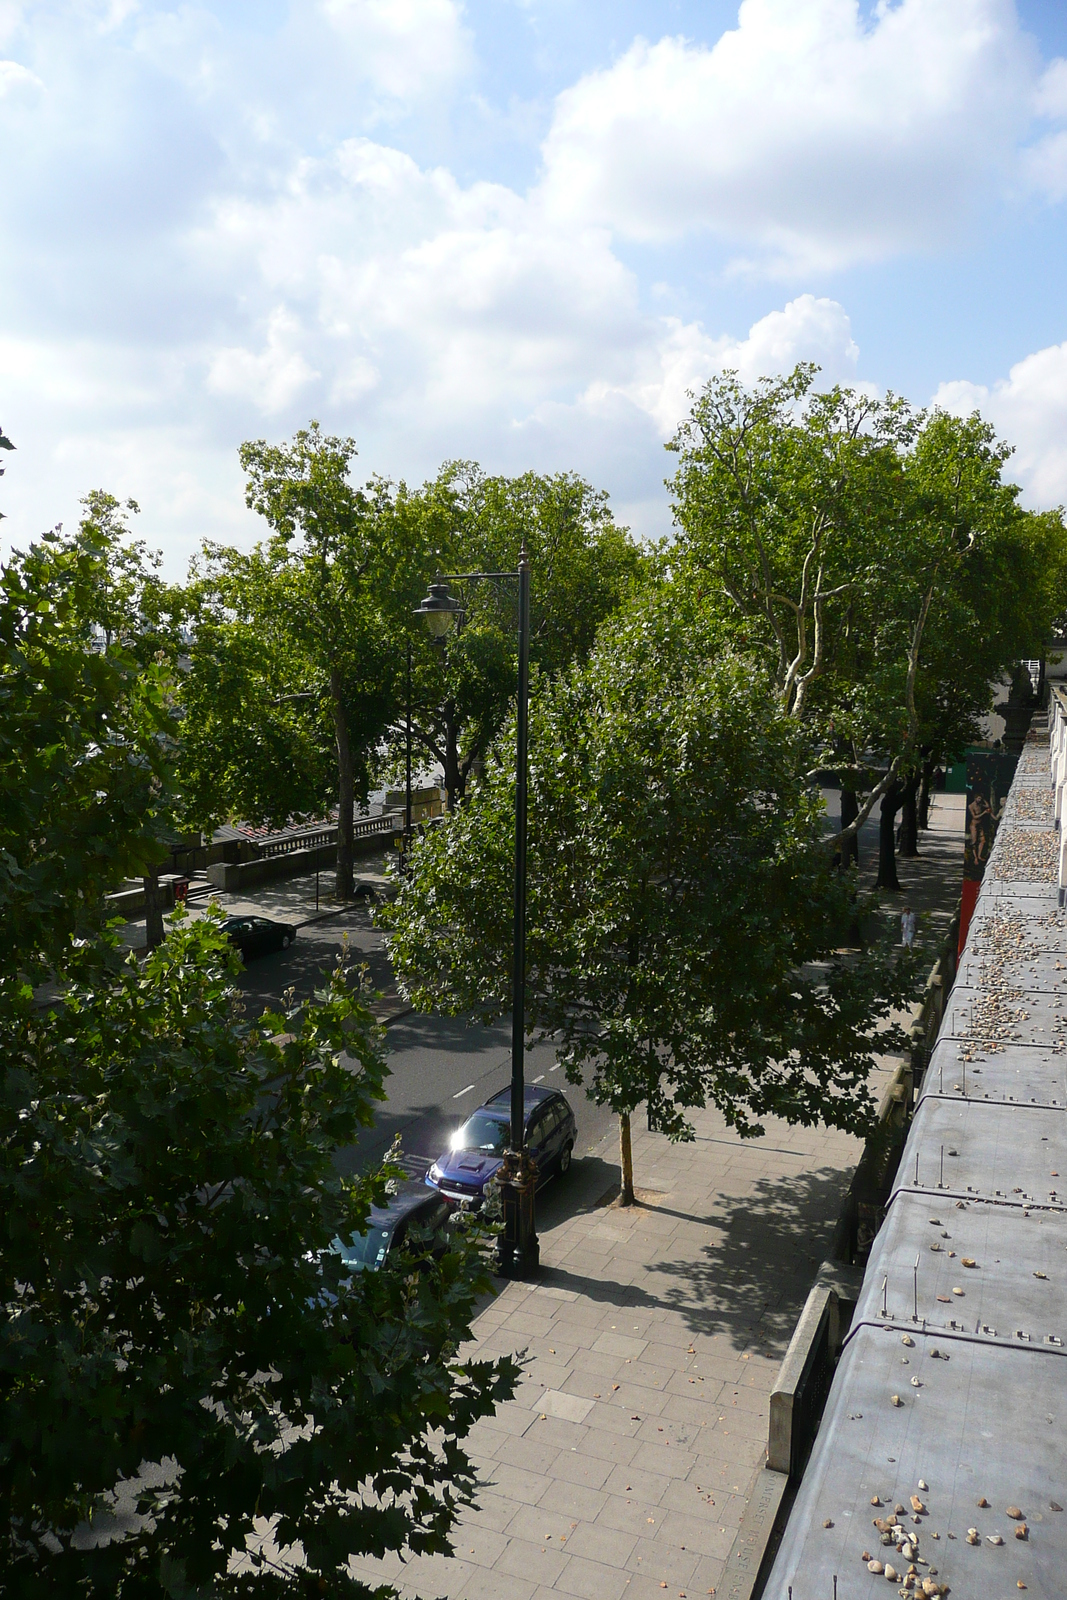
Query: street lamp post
x=407, y=775
x=518, y=1250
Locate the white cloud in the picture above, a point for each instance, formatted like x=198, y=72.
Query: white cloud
x=808, y=329
x=1044, y=166
x=1044, y=162
x=14, y=77
x=271, y=380
x=465, y=299
x=684, y=357
x=1050, y=99
x=404, y=47
x=472, y=303
x=113, y=13
x=809, y=132
x=1028, y=408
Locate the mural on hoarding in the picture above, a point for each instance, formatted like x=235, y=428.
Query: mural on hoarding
x=989, y=776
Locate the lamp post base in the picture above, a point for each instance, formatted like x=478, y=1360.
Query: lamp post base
x=518, y=1250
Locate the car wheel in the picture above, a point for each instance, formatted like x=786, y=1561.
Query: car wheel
x=565, y=1159
x=286, y=941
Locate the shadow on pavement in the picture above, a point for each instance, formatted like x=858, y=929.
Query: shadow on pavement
x=751, y=1279
x=583, y=1189
x=750, y=1283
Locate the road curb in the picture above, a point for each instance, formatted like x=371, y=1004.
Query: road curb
x=325, y=916
x=396, y=1016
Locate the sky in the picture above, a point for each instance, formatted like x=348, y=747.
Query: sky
x=519, y=232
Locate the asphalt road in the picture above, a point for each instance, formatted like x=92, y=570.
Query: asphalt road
x=441, y=1068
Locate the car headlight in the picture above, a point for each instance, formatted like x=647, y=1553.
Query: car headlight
x=435, y=1173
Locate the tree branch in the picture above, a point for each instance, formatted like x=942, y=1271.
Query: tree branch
x=835, y=840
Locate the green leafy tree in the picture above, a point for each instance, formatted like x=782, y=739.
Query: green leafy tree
x=684, y=925
x=258, y=740
x=293, y=649
x=839, y=535
x=86, y=734
x=185, y=1371
x=131, y=610
x=583, y=567
x=1000, y=609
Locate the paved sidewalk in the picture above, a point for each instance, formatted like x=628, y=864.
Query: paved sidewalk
x=655, y=1334
x=291, y=900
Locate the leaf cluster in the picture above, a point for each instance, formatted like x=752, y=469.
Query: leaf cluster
x=185, y=1373
x=583, y=567
x=296, y=649
x=86, y=735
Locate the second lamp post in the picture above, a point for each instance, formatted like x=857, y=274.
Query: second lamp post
x=518, y=1249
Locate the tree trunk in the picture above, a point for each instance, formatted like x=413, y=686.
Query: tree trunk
x=346, y=790
x=887, y=861
x=626, y=1161
x=153, y=911
x=850, y=810
x=924, y=794
x=453, y=777
x=909, y=818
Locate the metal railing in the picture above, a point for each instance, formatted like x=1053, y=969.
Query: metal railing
x=365, y=828
x=296, y=841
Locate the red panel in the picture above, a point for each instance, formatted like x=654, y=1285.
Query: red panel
x=968, y=899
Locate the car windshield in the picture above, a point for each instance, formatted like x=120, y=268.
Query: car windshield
x=480, y=1132
x=364, y=1249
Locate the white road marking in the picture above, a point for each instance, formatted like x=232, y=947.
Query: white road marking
x=555, y=1068
x=462, y=1092
x=540, y=1079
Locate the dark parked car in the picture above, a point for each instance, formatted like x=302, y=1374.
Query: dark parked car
x=477, y=1149
x=388, y=1226
x=254, y=936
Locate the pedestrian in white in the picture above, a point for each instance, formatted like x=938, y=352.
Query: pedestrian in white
x=909, y=925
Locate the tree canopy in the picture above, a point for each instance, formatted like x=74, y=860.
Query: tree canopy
x=684, y=926
x=185, y=1371
x=583, y=566
x=872, y=554
x=86, y=738
x=294, y=654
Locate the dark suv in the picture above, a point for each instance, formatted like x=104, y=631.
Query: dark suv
x=477, y=1149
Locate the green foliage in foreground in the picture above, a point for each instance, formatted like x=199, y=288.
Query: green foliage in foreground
x=174, y=1384
x=85, y=731
x=685, y=927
